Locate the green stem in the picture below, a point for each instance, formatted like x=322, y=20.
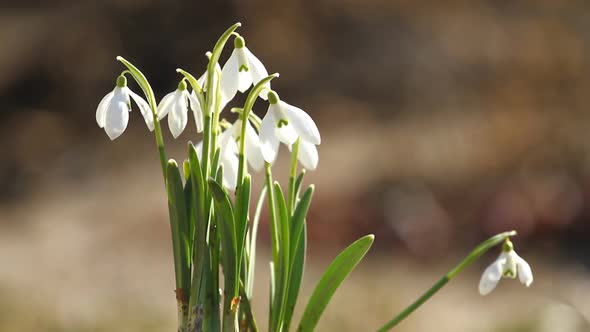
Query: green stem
x=273, y=216
x=475, y=254
x=250, y=100
x=293, y=177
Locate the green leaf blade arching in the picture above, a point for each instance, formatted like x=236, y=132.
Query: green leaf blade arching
x=178, y=224
x=338, y=270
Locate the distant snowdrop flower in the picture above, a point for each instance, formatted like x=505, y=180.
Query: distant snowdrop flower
x=113, y=110
x=252, y=144
x=175, y=106
x=242, y=70
x=507, y=265
x=286, y=123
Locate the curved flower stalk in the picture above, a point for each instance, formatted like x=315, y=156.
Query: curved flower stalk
x=113, y=110
x=175, y=106
x=286, y=123
x=508, y=265
x=242, y=70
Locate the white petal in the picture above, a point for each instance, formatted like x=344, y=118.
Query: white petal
x=101, y=109
x=165, y=105
x=257, y=71
x=117, y=117
x=199, y=149
x=308, y=155
x=286, y=134
x=244, y=74
x=144, y=109
x=230, y=164
x=490, y=277
x=253, y=152
x=197, y=111
x=302, y=122
x=178, y=117
x=269, y=143
x=229, y=77
x=525, y=274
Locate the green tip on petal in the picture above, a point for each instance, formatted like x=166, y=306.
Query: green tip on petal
x=507, y=246
x=182, y=85
x=282, y=122
x=273, y=97
x=121, y=81
x=239, y=42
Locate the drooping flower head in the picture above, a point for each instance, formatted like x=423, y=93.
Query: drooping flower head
x=175, y=105
x=507, y=265
x=242, y=70
x=286, y=123
x=113, y=110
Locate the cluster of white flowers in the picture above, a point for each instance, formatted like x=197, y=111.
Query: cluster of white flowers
x=282, y=123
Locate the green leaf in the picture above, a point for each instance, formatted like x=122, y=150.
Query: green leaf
x=189, y=197
x=242, y=209
x=298, y=183
x=226, y=224
x=298, y=220
x=338, y=270
x=295, y=277
x=200, y=253
x=252, y=244
x=178, y=225
x=282, y=280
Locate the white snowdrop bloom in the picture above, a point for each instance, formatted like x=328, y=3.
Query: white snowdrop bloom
x=113, y=110
x=286, y=123
x=242, y=70
x=307, y=155
x=507, y=265
x=252, y=144
x=228, y=158
x=175, y=106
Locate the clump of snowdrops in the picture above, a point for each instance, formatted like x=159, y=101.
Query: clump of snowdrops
x=209, y=197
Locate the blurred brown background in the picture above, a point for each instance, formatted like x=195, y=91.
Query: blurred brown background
x=443, y=122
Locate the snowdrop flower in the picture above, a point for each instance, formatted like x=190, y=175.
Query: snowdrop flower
x=113, y=110
x=286, y=123
x=252, y=143
x=228, y=158
x=175, y=105
x=242, y=70
x=508, y=265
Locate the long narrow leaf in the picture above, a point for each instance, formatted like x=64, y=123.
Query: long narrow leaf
x=242, y=207
x=298, y=219
x=252, y=245
x=227, y=226
x=338, y=270
x=282, y=280
x=295, y=277
x=178, y=224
